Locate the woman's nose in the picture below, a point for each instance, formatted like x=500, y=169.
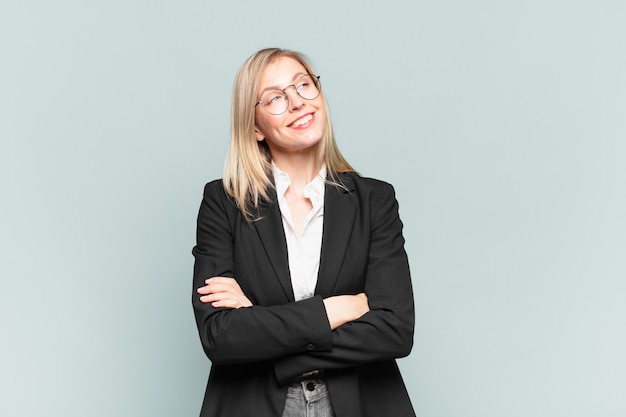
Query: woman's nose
x=295, y=101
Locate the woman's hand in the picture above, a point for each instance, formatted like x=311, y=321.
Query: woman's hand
x=342, y=309
x=223, y=292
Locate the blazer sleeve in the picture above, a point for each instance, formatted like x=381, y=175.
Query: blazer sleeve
x=386, y=331
x=256, y=333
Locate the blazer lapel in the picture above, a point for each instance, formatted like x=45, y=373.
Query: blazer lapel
x=339, y=214
x=272, y=235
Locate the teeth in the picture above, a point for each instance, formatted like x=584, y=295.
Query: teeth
x=302, y=121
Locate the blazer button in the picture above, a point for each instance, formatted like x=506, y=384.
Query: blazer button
x=310, y=346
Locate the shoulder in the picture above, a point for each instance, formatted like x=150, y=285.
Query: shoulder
x=214, y=192
x=376, y=199
x=217, y=206
x=214, y=185
x=379, y=195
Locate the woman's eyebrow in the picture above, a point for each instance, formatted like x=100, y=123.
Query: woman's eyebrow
x=276, y=87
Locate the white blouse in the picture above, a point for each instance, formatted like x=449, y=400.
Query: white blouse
x=304, y=250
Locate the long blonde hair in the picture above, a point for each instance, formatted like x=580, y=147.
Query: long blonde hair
x=248, y=171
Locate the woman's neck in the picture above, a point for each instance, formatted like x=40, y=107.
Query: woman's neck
x=300, y=168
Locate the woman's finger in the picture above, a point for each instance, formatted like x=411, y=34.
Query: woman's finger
x=219, y=287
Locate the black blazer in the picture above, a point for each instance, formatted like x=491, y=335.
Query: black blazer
x=257, y=352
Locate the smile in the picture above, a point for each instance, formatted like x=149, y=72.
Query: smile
x=304, y=120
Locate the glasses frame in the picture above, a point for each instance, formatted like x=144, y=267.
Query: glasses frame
x=316, y=81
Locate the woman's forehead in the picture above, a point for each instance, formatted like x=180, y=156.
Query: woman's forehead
x=280, y=72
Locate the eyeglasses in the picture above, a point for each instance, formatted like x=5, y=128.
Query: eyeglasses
x=276, y=102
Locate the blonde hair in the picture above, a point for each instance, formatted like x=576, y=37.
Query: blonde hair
x=248, y=170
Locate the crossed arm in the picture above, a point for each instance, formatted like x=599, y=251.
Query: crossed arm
x=225, y=292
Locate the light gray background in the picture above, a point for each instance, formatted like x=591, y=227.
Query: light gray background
x=501, y=124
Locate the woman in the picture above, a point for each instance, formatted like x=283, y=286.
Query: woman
x=302, y=293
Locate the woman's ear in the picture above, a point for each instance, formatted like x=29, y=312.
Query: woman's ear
x=259, y=136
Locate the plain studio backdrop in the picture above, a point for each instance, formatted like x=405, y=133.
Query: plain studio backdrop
x=502, y=125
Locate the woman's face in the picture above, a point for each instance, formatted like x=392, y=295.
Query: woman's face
x=302, y=125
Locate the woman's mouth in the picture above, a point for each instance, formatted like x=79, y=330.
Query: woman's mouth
x=303, y=122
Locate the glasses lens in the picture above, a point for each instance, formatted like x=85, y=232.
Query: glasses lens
x=274, y=101
x=307, y=87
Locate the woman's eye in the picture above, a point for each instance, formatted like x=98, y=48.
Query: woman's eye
x=273, y=98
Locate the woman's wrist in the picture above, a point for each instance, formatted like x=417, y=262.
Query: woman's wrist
x=342, y=309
